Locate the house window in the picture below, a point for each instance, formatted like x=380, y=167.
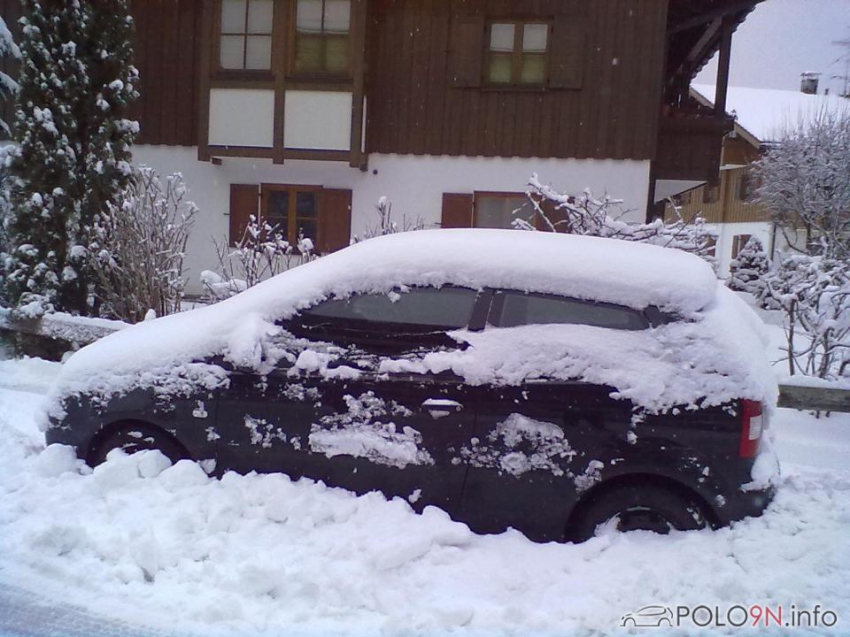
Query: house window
x=322, y=38
x=517, y=53
x=293, y=210
x=710, y=194
x=245, y=35
x=500, y=210
x=745, y=191
x=738, y=243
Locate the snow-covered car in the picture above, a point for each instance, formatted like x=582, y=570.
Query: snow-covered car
x=544, y=382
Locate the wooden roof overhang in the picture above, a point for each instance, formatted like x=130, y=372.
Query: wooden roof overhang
x=696, y=29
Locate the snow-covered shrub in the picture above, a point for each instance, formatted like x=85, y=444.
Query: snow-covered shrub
x=748, y=270
x=814, y=294
x=72, y=160
x=804, y=183
x=386, y=224
x=4, y=218
x=586, y=215
x=8, y=86
x=139, y=247
x=260, y=253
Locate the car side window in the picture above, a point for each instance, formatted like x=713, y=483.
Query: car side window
x=511, y=309
x=446, y=307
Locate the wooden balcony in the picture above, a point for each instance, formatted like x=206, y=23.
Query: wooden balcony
x=690, y=145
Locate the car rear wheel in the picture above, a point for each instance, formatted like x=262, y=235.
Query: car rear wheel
x=136, y=437
x=639, y=508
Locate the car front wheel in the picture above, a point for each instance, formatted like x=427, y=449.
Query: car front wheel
x=639, y=508
x=133, y=437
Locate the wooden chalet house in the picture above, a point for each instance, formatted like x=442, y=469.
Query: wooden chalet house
x=729, y=205
x=305, y=112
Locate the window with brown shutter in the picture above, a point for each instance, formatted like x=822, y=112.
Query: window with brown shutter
x=244, y=200
x=244, y=42
x=517, y=52
x=292, y=210
x=710, y=194
x=745, y=186
x=334, y=220
x=457, y=210
x=297, y=212
x=738, y=243
x=501, y=209
x=320, y=38
x=314, y=39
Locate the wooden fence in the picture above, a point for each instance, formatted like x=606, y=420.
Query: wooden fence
x=814, y=398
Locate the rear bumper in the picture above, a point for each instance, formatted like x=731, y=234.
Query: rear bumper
x=746, y=504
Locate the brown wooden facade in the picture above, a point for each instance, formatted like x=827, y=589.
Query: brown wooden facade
x=615, y=72
x=609, y=112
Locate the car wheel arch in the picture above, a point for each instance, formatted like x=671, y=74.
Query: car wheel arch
x=113, y=429
x=648, y=480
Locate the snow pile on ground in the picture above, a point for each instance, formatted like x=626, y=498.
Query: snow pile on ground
x=169, y=547
x=713, y=352
x=28, y=374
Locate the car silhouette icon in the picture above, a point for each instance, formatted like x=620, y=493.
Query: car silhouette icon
x=649, y=617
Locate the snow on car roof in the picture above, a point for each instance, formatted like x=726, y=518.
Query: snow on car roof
x=240, y=328
x=628, y=273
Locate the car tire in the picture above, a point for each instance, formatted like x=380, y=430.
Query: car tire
x=639, y=507
x=136, y=437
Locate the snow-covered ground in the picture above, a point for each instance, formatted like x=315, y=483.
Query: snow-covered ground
x=169, y=549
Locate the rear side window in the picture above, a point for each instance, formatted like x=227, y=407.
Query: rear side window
x=446, y=307
x=511, y=309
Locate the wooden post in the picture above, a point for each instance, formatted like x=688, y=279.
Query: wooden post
x=723, y=66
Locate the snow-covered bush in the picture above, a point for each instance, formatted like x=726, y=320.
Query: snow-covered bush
x=814, y=294
x=804, y=183
x=8, y=86
x=748, y=270
x=386, y=224
x=4, y=220
x=72, y=159
x=138, y=251
x=586, y=215
x=261, y=252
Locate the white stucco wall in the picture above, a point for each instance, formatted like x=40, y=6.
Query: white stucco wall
x=414, y=185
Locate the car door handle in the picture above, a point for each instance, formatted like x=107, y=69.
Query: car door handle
x=440, y=407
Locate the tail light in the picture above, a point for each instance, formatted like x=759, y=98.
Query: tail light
x=752, y=421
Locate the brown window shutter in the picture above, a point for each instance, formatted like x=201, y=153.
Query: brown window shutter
x=566, y=56
x=334, y=221
x=457, y=210
x=466, y=51
x=244, y=200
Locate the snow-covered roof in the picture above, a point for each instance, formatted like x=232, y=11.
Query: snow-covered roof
x=766, y=112
x=710, y=354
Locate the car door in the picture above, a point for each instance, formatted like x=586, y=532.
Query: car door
x=397, y=433
x=538, y=445
x=368, y=428
x=263, y=421
x=534, y=451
